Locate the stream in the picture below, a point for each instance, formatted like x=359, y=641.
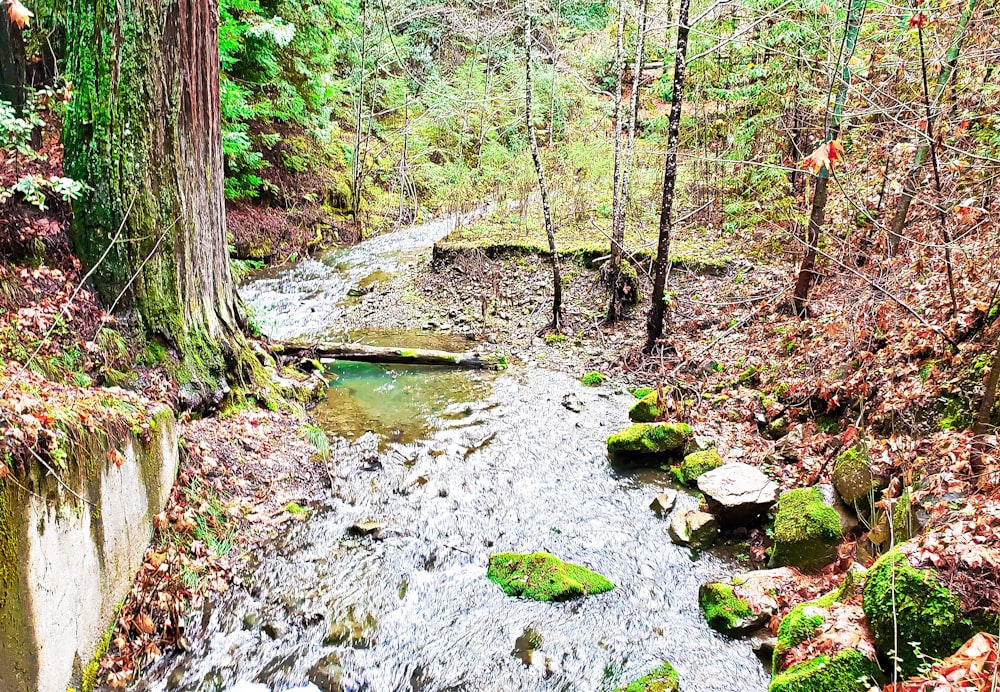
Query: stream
x=443, y=468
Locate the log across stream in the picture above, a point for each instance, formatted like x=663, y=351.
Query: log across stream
x=326, y=351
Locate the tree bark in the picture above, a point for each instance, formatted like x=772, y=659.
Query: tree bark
x=658, y=308
x=556, y=323
x=382, y=354
x=613, y=268
x=144, y=133
x=912, y=184
x=12, y=62
x=807, y=271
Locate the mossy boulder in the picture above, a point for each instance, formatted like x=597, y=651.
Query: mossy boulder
x=833, y=624
x=663, y=678
x=853, y=478
x=543, y=577
x=694, y=465
x=911, y=608
x=848, y=671
x=649, y=438
x=647, y=409
x=728, y=613
x=641, y=392
x=806, y=530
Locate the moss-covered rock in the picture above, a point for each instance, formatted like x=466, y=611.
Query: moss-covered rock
x=647, y=409
x=543, y=577
x=848, y=671
x=853, y=478
x=641, y=392
x=663, y=678
x=806, y=530
x=698, y=463
x=912, y=609
x=726, y=612
x=649, y=438
x=593, y=379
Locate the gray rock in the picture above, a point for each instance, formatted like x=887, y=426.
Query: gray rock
x=698, y=443
x=786, y=450
x=848, y=521
x=572, y=402
x=737, y=493
x=664, y=502
x=693, y=528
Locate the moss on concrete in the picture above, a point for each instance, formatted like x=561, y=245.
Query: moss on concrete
x=723, y=610
x=647, y=409
x=910, y=608
x=806, y=530
x=649, y=438
x=697, y=463
x=848, y=671
x=543, y=577
x=663, y=678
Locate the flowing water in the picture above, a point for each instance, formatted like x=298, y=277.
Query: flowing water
x=435, y=470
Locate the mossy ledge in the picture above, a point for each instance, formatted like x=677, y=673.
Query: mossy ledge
x=543, y=577
x=848, y=671
x=649, y=438
x=663, y=678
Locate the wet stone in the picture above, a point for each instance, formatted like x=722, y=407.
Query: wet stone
x=663, y=503
x=737, y=493
x=327, y=674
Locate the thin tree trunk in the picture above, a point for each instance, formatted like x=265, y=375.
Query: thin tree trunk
x=555, y=68
x=982, y=423
x=144, y=133
x=807, y=273
x=556, y=323
x=658, y=309
x=613, y=269
x=12, y=63
x=912, y=184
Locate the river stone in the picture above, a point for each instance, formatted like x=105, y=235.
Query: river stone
x=693, y=528
x=664, y=502
x=649, y=439
x=737, y=493
x=543, y=577
x=745, y=602
x=853, y=478
x=848, y=521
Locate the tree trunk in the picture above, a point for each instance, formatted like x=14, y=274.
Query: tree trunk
x=807, y=273
x=658, y=309
x=144, y=132
x=613, y=268
x=12, y=63
x=382, y=354
x=912, y=184
x=556, y=323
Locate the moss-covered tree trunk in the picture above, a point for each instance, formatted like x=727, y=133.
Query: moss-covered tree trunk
x=143, y=131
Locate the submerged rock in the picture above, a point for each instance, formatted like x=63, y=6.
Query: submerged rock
x=913, y=609
x=664, y=502
x=737, y=493
x=649, y=439
x=543, y=577
x=694, y=528
x=806, y=530
x=572, y=402
x=663, y=678
x=647, y=409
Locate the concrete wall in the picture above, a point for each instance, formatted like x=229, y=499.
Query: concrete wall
x=66, y=564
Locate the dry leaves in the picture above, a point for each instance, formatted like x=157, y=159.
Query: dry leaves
x=19, y=14
x=826, y=157
x=973, y=668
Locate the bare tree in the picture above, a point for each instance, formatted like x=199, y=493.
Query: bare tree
x=658, y=308
x=556, y=323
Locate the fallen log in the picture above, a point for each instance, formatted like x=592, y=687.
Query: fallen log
x=322, y=351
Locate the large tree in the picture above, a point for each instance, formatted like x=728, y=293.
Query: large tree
x=144, y=133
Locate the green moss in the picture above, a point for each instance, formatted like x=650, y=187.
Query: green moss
x=910, y=608
x=722, y=609
x=800, y=625
x=543, y=577
x=806, y=530
x=663, y=678
x=956, y=413
x=852, y=475
x=650, y=438
x=296, y=508
x=593, y=379
x=88, y=678
x=697, y=463
x=641, y=392
x=848, y=671
x=646, y=410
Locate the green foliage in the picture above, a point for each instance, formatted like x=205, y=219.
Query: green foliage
x=318, y=438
